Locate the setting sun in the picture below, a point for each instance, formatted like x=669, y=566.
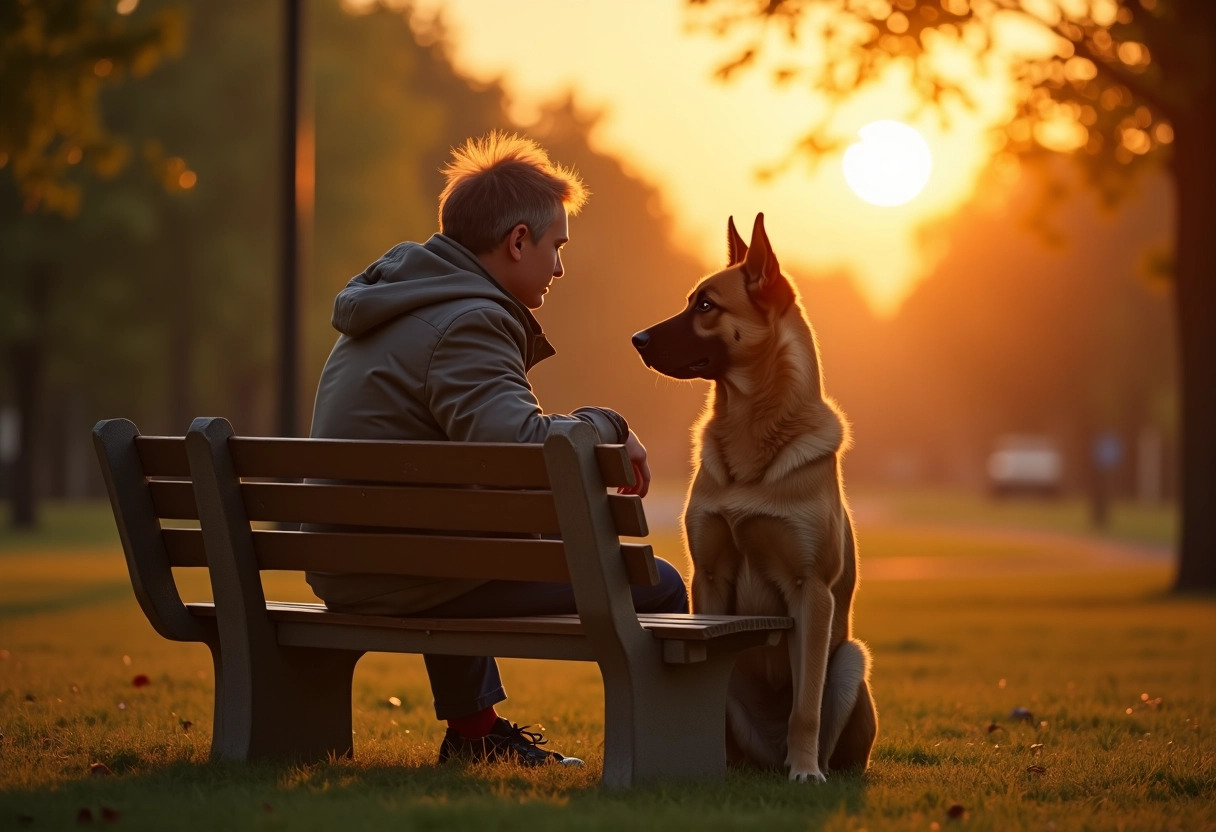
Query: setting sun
x=890, y=165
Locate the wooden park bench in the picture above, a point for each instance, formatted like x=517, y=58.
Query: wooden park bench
x=283, y=670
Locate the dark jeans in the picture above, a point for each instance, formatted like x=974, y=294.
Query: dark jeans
x=464, y=685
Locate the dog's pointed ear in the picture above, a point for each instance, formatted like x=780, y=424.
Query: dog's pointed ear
x=736, y=249
x=765, y=282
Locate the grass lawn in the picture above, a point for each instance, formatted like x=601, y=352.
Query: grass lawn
x=952, y=661
x=1129, y=521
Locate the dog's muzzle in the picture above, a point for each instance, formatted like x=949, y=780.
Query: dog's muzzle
x=674, y=349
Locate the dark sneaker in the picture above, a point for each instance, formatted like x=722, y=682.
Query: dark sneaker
x=504, y=742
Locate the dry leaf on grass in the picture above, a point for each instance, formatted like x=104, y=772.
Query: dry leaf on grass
x=956, y=812
x=141, y=681
x=1036, y=770
x=186, y=725
x=99, y=770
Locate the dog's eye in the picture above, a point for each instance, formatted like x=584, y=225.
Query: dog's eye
x=704, y=305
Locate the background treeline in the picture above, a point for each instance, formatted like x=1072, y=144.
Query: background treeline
x=156, y=303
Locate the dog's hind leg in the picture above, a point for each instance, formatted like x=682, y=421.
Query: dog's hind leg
x=757, y=708
x=849, y=721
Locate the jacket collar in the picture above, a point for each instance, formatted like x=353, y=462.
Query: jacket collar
x=538, y=346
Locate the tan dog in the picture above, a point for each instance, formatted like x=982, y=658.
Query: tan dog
x=766, y=520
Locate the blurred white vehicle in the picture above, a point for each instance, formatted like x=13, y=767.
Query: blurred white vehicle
x=1023, y=464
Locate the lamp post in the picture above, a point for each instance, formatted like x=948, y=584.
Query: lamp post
x=297, y=182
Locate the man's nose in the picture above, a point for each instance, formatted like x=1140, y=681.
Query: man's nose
x=559, y=270
x=641, y=340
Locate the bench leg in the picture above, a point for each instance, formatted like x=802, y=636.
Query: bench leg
x=293, y=705
x=666, y=724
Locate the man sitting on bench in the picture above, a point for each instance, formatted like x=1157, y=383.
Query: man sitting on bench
x=436, y=342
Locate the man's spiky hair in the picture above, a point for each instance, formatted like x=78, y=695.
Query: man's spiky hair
x=498, y=181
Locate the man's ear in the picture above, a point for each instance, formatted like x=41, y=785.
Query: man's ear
x=515, y=241
x=765, y=283
x=736, y=249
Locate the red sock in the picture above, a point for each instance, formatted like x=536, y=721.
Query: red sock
x=476, y=726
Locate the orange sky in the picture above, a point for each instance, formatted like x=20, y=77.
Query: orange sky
x=701, y=141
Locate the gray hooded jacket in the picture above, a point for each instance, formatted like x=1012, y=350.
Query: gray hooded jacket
x=432, y=348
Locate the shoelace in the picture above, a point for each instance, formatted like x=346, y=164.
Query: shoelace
x=533, y=738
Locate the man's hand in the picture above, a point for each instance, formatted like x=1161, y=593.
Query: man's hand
x=641, y=471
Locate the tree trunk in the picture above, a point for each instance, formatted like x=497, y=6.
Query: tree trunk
x=1195, y=301
x=27, y=358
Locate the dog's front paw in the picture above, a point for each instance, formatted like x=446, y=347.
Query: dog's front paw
x=804, y=768
x=813, y=775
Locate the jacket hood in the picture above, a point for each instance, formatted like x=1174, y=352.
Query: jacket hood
x=411, y=276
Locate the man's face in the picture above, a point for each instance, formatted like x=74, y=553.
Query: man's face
x=540, y=262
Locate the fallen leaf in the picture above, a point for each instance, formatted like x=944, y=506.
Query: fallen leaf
x=394, y=701
x=99, y=770
x=141, y=681
x=1036, y=770
x=110, y=815
x=992, y=726
x=85, y=815
x=1036, y=747
x=956, y=811
x=1020, y=714
x=186, y=725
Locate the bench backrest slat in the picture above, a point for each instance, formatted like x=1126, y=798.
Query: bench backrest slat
x=431, y=556
x=440, y=509
x=497, y=465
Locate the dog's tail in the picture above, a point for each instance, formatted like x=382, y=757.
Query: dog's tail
x=848, y=722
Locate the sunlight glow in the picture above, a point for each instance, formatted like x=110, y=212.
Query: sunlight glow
x=890, y=165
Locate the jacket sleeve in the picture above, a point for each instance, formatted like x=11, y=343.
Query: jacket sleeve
x=478, y=391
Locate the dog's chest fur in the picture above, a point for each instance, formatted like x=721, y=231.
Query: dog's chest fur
x=783, y=532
